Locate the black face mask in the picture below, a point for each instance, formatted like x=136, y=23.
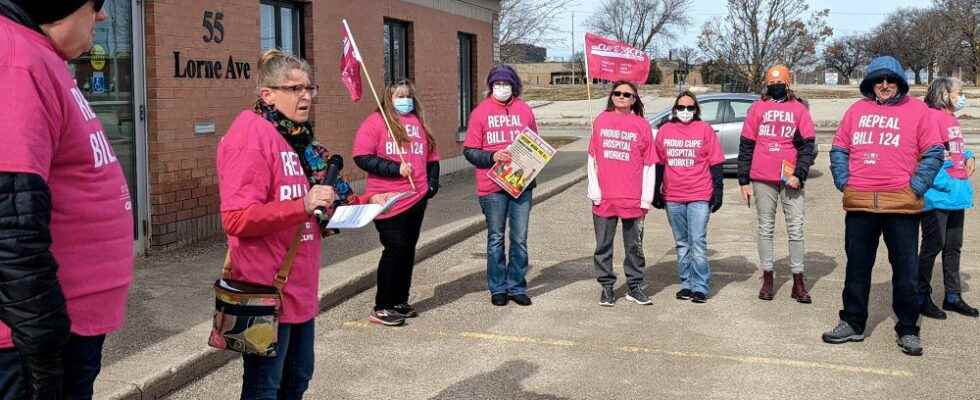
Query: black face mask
x=776, y=91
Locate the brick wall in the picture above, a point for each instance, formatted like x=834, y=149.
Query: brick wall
x=183, y=193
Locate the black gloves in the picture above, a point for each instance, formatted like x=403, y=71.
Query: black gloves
x=718, y=185
x=658, y=196
x=432, y=173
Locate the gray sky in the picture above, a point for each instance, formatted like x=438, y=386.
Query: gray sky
x=846, y=17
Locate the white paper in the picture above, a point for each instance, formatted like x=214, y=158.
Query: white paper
x=352, y=217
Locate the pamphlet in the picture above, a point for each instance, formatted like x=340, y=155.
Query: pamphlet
x=352, y=217
x=789, y=168
x=529, y=154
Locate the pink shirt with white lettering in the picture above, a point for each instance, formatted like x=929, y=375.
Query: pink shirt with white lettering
x=257, y=166
x=373, y=139
x=49, y=129
x=688, y=151
x=493, y=126
x=949, y=128
x=621, y=145
x=885, y=142
x=773, y=126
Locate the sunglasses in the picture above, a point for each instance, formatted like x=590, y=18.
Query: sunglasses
x=682, y=108
x=625, y=95
x=97, y=5
x=885, y=80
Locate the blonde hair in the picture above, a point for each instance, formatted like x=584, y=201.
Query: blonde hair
x=401, y=136
x=275, y=66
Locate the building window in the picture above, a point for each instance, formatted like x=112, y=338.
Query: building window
x=397, y=50
x=467, y=78
x=281, y=26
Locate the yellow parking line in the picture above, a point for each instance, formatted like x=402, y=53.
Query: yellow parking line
x=492, y=337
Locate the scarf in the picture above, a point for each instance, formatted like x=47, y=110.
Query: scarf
x=313, y=156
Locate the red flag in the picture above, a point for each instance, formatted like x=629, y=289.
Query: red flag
x=350, y=66
x=613, y=61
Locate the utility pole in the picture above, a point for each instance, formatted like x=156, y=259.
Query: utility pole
x=572, y=58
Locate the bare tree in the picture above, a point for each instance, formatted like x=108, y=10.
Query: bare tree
x=845, y=55
x=757, y=34
x=640, y=22
x=528, y=22
x=908, y=35
x=963, y=19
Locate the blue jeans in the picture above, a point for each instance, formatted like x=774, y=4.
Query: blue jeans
x=287, y=375
x=506, y=276
x=82, y=358
x=689, y=221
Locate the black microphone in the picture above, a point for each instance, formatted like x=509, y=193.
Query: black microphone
x=334, y=164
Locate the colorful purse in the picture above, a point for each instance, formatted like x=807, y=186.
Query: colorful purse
x=246, y=315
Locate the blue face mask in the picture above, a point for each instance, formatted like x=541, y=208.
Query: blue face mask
x=404, y=105
x=961, y=103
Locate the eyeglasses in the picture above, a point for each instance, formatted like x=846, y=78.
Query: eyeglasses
x=682, y=108
x=297, y=90
x=625, y=95
x=97, y=5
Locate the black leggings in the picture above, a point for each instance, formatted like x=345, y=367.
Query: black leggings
x=399, y=235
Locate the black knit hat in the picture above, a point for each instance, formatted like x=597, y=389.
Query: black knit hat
x=48, y=11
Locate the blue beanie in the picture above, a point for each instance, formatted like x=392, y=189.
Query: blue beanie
x=504, y=73
x=884, y=66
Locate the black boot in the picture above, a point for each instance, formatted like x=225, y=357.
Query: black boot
x=960, y=307
x=929, y=309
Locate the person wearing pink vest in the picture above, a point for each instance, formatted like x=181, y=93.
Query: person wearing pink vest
x=65, y=208
x=622, y=173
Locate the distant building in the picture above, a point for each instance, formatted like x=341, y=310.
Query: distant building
x=550, y=73
x=523, y=53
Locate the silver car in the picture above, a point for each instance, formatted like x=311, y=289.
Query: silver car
x=725, y=112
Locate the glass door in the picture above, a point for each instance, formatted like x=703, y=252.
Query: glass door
x=110, y=77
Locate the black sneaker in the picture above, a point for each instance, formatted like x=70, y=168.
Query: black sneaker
x=910, y=345
x=639, y=296
x=607, y=298
x=699, y=298
x=930, y=310
x=521, y=299
x=499, y=299
x=387, y=318
x=960, y=307
x=683, y=294
x=406, y=310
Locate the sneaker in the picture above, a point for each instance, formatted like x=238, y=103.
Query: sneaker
x=499, y=299
x=910, y=345
x=683, y=294
x=638, y=296
x=521, y=299
x=929, y=309
x=842, y=333
x=960, y=307
x=699, y=298
x=387, y=318
x=406, y=310
x=607, y=298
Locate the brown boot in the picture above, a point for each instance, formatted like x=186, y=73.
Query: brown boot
x=766, y=292
x=799, y=289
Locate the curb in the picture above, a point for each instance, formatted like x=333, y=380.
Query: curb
x=202, y=361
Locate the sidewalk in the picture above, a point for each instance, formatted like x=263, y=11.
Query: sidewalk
x=163, y=343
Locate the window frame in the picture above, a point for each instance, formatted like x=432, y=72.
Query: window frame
x=299, y=30
x=471, y=72
x=406, y=50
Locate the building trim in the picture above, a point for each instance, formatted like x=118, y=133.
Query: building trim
x=482, y=10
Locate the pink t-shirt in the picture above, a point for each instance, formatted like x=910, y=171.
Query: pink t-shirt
x=621, y=145
x=373, y=139
x=257, y=166
x=49, y=129
x=773, y=125
x=687, y=152
x=885, y=142
x=493, y=126
x=949, y=128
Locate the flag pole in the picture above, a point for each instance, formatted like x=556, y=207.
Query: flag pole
x=384, y=116
x=588, y=82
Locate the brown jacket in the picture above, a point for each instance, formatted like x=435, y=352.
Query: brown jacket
x=902, y=201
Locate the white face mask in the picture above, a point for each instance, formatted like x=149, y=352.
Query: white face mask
x=685, y=116
x=960, y=103
x=502, y=92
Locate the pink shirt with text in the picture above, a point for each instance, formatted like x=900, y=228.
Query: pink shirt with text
x=773, y=126
x=493, y=126
x=885, y=142
x=49, y=129
x=621, y=145
x=949, y=128
x=373, y=139
x=257, y=166
x=687, y=152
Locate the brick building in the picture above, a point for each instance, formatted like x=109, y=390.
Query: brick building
x=167, y=77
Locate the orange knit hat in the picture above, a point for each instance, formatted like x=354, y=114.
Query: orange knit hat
x=778, y=74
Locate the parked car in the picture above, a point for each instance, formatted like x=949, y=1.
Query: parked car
x=725, y=112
